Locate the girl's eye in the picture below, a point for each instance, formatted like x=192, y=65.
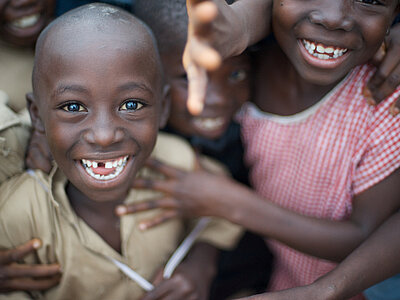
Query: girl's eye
x=73, y=107
x=131, y=105
x=238, y=75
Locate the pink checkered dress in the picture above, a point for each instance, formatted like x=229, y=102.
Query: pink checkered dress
x=314, y=162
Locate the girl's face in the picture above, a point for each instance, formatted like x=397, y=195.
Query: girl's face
x=21, y=21
x=325, y=39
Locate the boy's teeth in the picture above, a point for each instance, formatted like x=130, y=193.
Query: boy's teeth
x=118, y=164
x=27, y=21
x=323, y=52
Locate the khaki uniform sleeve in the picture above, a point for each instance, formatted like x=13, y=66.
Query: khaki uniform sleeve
x=177, y=152
x=14, y=137
x=23, y=212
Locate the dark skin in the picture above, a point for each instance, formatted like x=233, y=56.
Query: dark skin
x=92, y=106
x=19, y=32
x=353, y=275
x=178, y=203
x=21, y=21
x=228, y=88
x=200, y=193
x=206, y=33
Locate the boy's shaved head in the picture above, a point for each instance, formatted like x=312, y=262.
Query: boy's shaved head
x=167, y=19
x=91, y=27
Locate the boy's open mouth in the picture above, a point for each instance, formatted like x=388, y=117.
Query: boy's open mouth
x=321, y=51
x=105, y=169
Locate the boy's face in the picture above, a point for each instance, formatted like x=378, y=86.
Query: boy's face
x=100, y=105
x=21, y=21
x=228, y=88
x=325, y=39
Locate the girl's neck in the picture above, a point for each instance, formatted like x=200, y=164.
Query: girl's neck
x=279, y=89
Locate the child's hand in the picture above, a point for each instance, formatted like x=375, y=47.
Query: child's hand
x=183, y=285
x=20, y=277
x=38, y=155
x=387, y=76
x=199, y=55
x=217, y=31
x=191, y=279
x=187, y=194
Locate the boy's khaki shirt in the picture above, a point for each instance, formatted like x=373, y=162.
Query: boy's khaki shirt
x=36, y=205
x=14, y=137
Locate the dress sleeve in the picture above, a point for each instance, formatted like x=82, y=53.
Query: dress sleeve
x=379, y=150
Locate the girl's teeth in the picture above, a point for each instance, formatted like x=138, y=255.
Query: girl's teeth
x=108, y=165
x=94, y=164
x=322, y=52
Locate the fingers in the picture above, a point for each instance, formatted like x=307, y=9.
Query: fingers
x=395, y=108
x=34, y=271
x=160, y=219
x=385, y=80
x=28, y=284
x=197, y=86
x=167, y=203
x=168, y=171
x=13, y=255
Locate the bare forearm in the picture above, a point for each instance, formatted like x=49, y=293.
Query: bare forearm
x=255, y=16
x=203, y=258
x=318, y=237
x=375, y=260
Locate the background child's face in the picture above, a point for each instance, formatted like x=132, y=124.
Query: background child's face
x=21, y=21
x=100, y=103
x=228, y=88
x=325, y=39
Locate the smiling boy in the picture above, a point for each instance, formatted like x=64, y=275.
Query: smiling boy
x=99, y=97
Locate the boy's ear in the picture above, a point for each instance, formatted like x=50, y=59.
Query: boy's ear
x=33, y=109
x=165, y=105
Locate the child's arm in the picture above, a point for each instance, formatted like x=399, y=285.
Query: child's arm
x=192, y=279
x=204, y=194
x=20, y=277
x=387, y=76
x=234, y=28
x=375, y=260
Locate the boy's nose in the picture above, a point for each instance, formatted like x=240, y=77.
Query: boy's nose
x=104, y=135
x=334, y=16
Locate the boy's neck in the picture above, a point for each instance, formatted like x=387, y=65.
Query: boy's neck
x=279, y=89
x=99, y=216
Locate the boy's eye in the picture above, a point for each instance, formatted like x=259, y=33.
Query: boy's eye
x=238, y=75
x=373, y=2
x=73, y=107
x=131, y=105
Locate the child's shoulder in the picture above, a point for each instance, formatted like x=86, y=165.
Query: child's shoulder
x=19, y=192
x=174, y=150
x=23, y=205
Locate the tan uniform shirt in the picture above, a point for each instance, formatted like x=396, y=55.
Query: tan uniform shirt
x=14, y=137
x=37, y=206
x=16, y=64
